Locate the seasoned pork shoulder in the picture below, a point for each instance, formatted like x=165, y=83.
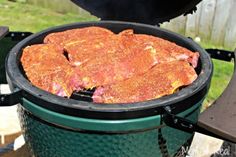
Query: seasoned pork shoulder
x=124, y=67
x=163, y=79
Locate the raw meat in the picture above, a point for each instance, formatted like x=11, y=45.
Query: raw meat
x=73, y=35
x=121, y=57
x=85, y=49
x=125, y=67
x=124, y=60
x=48, y=69
x=163, y=79
x=168, y=51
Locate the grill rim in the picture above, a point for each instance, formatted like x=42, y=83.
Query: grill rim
x=178, y=102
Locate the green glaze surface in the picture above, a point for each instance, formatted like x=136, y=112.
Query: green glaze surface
x=45, y=140
x=49, y=141
x=91, y=124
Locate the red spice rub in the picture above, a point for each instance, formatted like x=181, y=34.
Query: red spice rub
x=118, y=62
x=98, y=57
x=72, y=35
x=85, y=49
x=123, y=56
x=168, y=51
x=161, y=80
x=48, y=69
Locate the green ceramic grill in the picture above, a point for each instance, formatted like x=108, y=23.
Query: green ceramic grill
x=54, y=126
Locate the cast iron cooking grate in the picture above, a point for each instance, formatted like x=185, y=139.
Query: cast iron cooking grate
x=84, y=95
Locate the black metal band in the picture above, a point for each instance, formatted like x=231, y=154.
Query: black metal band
x=10, y=99
x=221, y=54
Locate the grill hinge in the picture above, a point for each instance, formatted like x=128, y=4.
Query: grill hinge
x=11, y=99
x=186, y=125
x=178, y=122
x=221, y=54
x=18, y=36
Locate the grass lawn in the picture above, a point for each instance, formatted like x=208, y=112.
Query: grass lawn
x=221, y=77
x=24, y=17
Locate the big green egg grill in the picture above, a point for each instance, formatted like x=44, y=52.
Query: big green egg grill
x=54, y=126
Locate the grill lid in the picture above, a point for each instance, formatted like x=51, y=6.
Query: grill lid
x=144, y=11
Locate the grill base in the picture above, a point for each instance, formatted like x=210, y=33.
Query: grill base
x=46, y=140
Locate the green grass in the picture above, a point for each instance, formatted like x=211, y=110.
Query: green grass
x=25, y=17
x=221, y=77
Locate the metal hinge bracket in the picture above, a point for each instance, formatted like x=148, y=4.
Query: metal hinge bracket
x=178, y=122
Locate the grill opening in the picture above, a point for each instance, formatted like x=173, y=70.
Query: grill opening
x=180, y=101
x=86, y=94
